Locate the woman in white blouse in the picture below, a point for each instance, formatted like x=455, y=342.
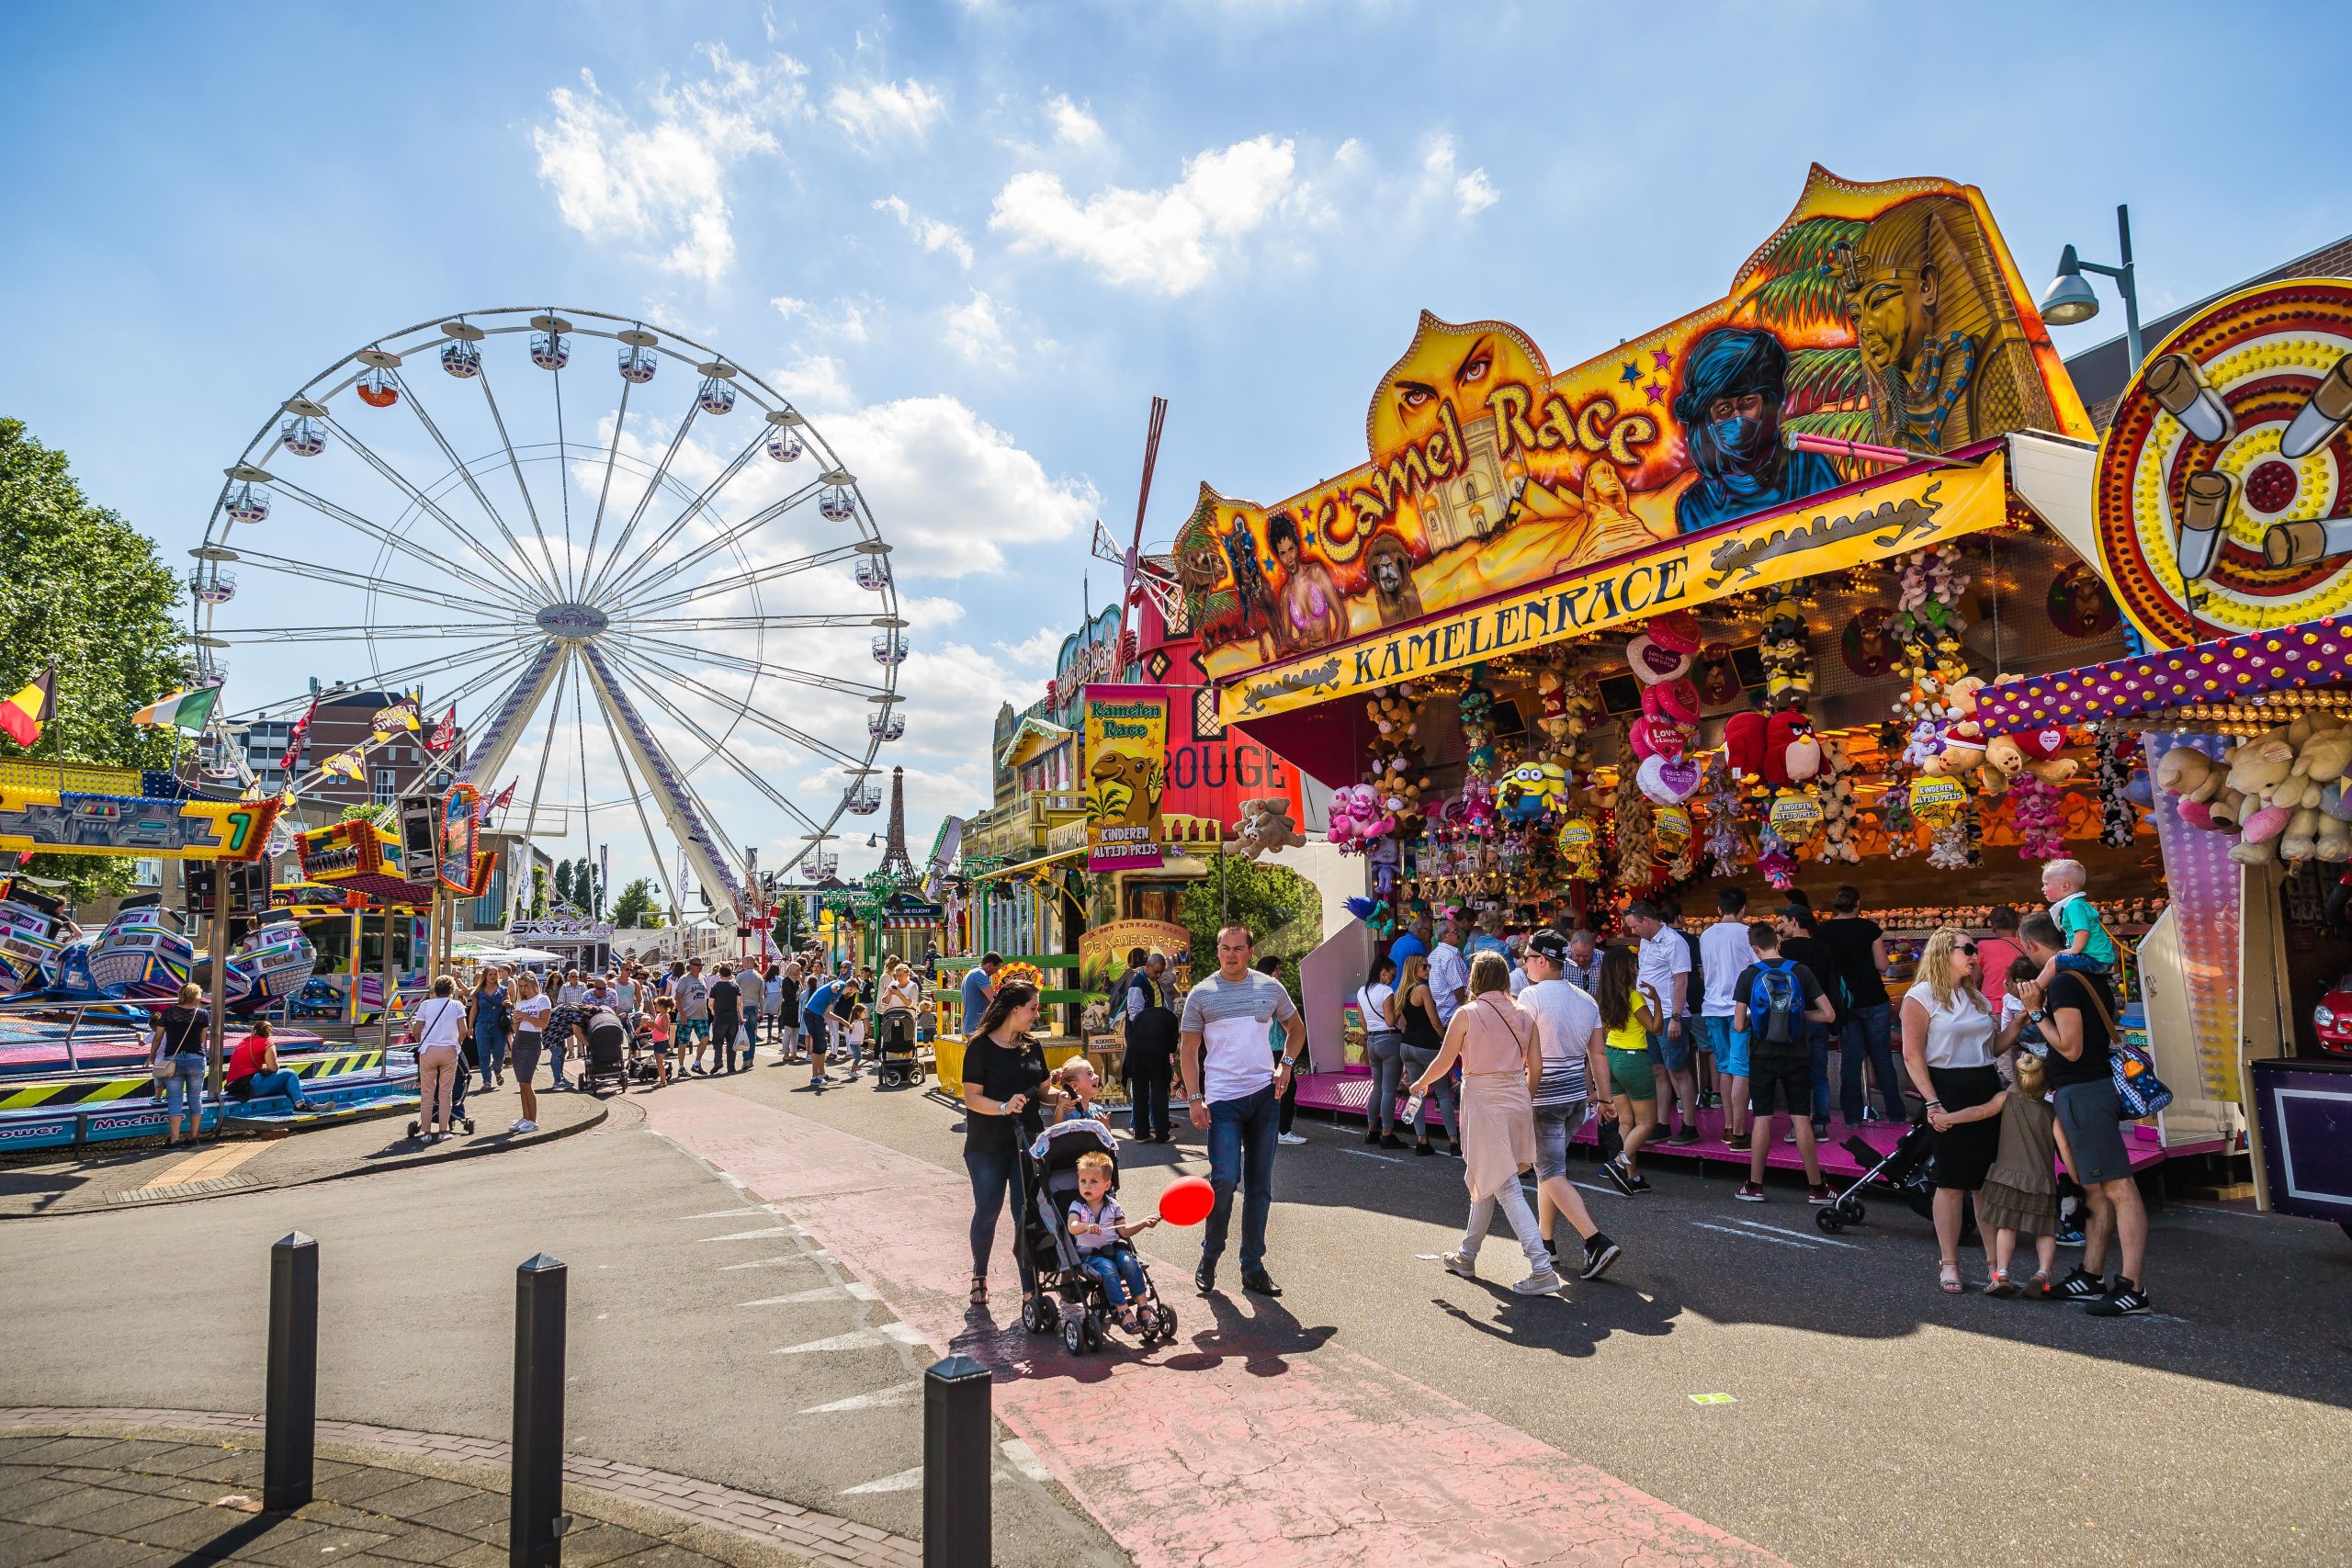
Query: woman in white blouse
x=1951, y=1037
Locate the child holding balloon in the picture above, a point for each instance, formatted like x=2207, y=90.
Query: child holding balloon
x=1103, y=1229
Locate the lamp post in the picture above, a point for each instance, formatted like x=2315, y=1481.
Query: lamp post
x=2070, y=300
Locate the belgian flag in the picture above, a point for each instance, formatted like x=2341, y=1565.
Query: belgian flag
x=22, y=716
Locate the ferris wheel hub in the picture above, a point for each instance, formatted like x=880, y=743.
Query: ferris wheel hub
x=572, y=623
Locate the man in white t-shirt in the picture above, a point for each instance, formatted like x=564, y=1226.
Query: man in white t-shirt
x=1723, y=953
x=1666, y=971
x=1227, y=1037
x=1575, y=1058
x=1449, y=972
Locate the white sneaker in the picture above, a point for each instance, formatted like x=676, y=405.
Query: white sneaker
x=1462, y=1264
x=1542, y=1283
x=1290, y=1138
x=516, y=1126
x=527, y=1126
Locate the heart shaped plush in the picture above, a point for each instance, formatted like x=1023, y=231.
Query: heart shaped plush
x=1652, y=663
x=1676, y=631
x=2041, y=744
x=1681, y=776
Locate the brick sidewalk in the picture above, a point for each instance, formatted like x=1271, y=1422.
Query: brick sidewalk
x=118, y=1486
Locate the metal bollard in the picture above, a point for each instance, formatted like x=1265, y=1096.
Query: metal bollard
x=291, y=1404
x=956, y=1426
x=536, y=1520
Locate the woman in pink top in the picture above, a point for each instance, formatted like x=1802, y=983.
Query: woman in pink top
x=1994, y=953
x=1501, y=1058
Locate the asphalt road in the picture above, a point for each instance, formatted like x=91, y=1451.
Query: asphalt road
x=1870, y=1418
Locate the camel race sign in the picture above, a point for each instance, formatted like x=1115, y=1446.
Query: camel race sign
x=1826, y=533
x=1127, y=773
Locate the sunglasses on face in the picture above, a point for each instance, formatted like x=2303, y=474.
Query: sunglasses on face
x=1968, y=949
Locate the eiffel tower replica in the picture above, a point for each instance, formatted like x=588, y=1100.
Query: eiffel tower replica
x=894, y=859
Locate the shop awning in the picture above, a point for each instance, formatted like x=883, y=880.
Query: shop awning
x=1890, y=514
x=1031, y=864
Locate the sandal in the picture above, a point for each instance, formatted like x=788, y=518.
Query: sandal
x=980, y=1296
x=1949, y=1277
x=1999, y=1285
x=2038, y=1288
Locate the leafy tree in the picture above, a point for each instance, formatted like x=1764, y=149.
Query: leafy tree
x=563, y=880
x=585, y=891
x=638, y=906
x=1274, y=902
x=374, y=811
x=539, y=893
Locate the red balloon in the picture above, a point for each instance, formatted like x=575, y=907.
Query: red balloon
x=1187, y=1201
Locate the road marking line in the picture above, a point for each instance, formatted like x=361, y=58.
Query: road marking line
x=1780, y=1230
x=855, y=1290
x=904, y=1393
x=814, y=1255
x=1604, y=1191
x=905, y=1480
x=748, y=1235
x=1367, y=1154
x=856, y=1338
x=1752, y=1236
x=1024, y=1458
x=733, y=1214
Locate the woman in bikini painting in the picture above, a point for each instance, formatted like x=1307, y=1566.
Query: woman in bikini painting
x=1312, y=614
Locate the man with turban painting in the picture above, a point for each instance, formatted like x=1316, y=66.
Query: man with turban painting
x=1733, y=382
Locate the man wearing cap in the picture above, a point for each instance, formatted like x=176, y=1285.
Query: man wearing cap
x=1664, y=961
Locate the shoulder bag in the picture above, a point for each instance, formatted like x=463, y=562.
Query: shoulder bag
x=2137, y=1087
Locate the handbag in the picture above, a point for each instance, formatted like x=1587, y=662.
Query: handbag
x=2137, y=1089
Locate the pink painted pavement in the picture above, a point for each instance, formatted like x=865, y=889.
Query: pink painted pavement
x=1250, y=1441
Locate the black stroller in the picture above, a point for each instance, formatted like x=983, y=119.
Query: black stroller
x=1901, y=1172
x=1055, y=1288
x=606, y=1060
x=895, y=1062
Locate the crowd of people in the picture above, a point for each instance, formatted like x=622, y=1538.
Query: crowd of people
x=1511, y=1042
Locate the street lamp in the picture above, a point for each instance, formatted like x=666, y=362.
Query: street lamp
x=2071, y=299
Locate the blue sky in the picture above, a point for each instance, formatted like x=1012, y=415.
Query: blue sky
x=974, y=239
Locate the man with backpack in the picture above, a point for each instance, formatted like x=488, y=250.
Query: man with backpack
x=1774, y=1001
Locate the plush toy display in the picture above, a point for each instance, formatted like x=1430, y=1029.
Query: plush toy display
x=1838, y=817
x=1788, y=668
x=2033, y=806
x=2282, y=792
x=1530, y=790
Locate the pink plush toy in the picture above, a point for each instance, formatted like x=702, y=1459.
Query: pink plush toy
x=2038, y=819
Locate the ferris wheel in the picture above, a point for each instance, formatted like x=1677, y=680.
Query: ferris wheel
x=631, y=576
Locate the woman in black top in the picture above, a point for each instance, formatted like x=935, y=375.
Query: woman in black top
x=1002, y=1068
x=726, y=1019
x=1417, y=1022
x=182, y=1046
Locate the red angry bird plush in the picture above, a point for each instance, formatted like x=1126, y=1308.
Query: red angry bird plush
x=1743, y=744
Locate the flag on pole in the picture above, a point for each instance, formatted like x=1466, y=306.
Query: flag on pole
x=402, y=715
x=499, y=802
x=344, y=765
x=445, y=734
x=22, y=716
x=296, y=739
x=184, y=710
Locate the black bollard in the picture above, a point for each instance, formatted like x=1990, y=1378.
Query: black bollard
x=535, y=1521
x=956, y=1426
x=291, y=1406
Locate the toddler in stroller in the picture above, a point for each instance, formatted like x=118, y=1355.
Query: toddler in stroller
x=1080, y=1251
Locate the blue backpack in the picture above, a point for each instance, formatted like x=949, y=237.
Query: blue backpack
x=1775, y=1003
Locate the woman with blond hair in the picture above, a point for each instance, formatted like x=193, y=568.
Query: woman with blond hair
x=1414, y=1011
x=438, y=1029
x=182, y=1054
x=1949, y=1045
x=1500, y=1055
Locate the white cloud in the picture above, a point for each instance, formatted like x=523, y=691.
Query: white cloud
x=849, y=321
x=1037, y=649
x=1073, y=126
x=1171, y=241
x=975, y=331
x=787, y=306
x=1472, y=193
x=814, y=381
x=952, y=491
x=661, y=180
x=879, y=110
x=931, y=233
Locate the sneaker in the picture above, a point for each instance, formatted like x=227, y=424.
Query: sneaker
x=1391, y=1141
x=2072, y=1235
x=2126, y=1299
x=1615, y=1171
x=1600, y=1252
x=527, y=1126
x=1425, y=1149
x=1371, y=1139
x=1290, y=1139
x=1819, y=1195
x=1683, y=1138
x=516, y=1126
x=1462, y=1264
x=1790, y=1136
x=1738, y=1146
x=2081, y=1285
x=1820, y=1127
x=1641, y=1184
x=1542, y=1283
x=1750, y=1192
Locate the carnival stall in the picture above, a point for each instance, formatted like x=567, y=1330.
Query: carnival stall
x=2224, y=520
x=1721, y=605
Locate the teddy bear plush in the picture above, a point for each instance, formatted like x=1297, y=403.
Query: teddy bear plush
x=2193, y=779
x=1265, y=827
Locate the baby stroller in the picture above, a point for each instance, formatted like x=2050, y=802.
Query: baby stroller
x=1902, y=1171
x=604, y=1062
x=895, y=1062
x=1055, y=1289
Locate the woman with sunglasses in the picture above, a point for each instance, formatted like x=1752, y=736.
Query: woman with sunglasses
x=1950, y=1039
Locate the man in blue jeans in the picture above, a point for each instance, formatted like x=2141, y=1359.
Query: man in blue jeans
x=1227, y=1036
x=1859, y=963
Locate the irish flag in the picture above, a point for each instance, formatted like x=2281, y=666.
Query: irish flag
x=22, y=716
x=186, y=710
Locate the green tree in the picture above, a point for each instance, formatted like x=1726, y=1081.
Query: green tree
x=539, y=893
x=638, y=907
x=1281, y=907
x=563, y=880
x=374, y=811
x=83, y=590
x=585, y=891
